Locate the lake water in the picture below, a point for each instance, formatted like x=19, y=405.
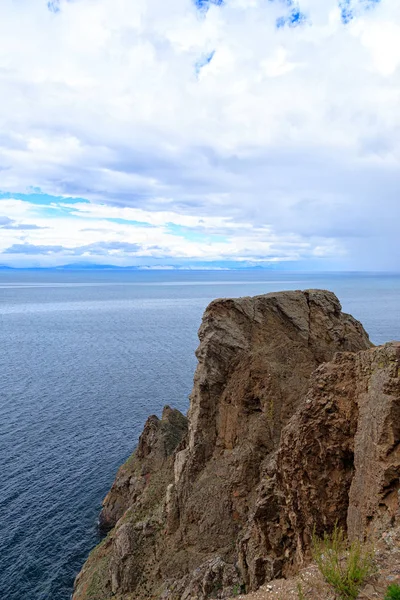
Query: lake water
x=85, y=357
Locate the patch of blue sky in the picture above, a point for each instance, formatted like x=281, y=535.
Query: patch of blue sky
x=289, y=3
x=54, y=6
x=346, y=10
x=294, y=16
x=37, y=197
x=190, y=234
x=205, y=4
x=204, y=60
x=293, y=19
x=350, y=8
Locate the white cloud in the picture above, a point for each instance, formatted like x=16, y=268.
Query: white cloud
x=382, y=39
x=94, y=231
x=295, y=130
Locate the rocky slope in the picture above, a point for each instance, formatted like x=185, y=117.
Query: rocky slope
x=309, y=584
x=293, y=423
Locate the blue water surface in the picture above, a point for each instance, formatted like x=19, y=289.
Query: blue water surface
x=85, y=357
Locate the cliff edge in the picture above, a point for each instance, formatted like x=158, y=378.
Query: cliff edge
x=293, y=424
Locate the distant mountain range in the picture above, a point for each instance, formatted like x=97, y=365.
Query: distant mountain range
x=96, y=267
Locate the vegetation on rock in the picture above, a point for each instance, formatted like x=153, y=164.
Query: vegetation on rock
x=393, y=592
x=345, y=566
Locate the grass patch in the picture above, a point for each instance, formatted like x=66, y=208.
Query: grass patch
x=97, y=585
x=236, y=590
x=393, y=592
x=344, y=566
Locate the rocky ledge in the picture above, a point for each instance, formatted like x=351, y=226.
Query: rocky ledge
x=294, y=424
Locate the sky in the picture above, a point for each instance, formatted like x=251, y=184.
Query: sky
x=200, y=133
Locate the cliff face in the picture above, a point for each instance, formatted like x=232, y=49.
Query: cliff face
x=281, y=435
x=338, y=458
x=146, y=474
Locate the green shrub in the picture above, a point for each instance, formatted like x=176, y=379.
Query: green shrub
x=393, y=592
x=344, y=566
x=238, y=588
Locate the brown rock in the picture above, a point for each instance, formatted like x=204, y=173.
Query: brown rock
x=151, y=461
x=216, y=513
x=339, y=457
x=256, y=356
x=374, y=500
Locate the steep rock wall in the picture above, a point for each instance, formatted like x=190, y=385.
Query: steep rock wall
x=218, y=523
x=339, y=457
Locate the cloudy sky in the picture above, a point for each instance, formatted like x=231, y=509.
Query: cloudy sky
x=200, y=132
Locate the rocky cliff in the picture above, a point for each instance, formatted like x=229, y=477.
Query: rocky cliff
x=293, y=424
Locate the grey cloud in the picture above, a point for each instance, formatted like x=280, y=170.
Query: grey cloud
x=7, y=223
x=32, y=249
x=8, y=140
x=108, y=246
x=23, y=227
x=294, y=191
x=99, y=249
x=4, y=221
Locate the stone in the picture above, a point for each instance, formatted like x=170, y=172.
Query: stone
x=339, y=456
x=151, y=461
x=224, y=506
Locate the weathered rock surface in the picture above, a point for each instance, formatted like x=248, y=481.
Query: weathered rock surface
x=148, y=469
x=135, y=501
x=338, y=459
x=281, y=432
x=375, y=489
x=313, y=586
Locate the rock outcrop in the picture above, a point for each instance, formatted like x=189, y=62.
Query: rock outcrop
x=284, y=435
x=146, y=474
x=338, y=459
